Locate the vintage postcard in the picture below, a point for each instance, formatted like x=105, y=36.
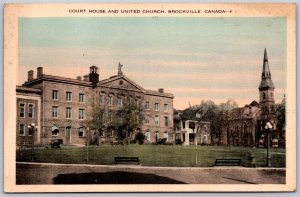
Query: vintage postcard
x=150, y=97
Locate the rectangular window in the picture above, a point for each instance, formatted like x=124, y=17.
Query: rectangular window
x=101, y=133
x=110, y=99
x=55, y=112
x=22, y=130
x=147, y=105
x=55, y=94
x=31, y=110
x=101, y=99
x=156, y=106
x=148, y=120
x=81, y=114
x=137, y=103
x=120, y=102
x=69, y=96
x=157, y=120
x=166, y=121
x=81, y=132
x=110, y=116
x=166, y=107
x=81, y=98
x=68, y=112
x=22, y=110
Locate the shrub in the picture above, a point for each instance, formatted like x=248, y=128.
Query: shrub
x=140, y=137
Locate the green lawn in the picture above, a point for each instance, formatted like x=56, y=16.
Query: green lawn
x=153, y=155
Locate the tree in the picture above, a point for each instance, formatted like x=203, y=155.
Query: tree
x=95, y=121
x=140, y=137
x=131, y=116
x=280, y=116
x=229, y=105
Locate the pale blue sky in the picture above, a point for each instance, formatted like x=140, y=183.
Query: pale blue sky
x=193, y=58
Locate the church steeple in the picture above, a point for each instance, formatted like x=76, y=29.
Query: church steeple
x=266, y=91
x=266, y=81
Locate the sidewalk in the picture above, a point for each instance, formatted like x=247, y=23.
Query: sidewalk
x=46, y=173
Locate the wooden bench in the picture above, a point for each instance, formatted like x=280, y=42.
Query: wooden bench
x=127, y=160
x=228, y=162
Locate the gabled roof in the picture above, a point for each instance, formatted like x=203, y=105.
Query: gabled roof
x=249, y=111
x=130, y=85
x=254, y=104
x=114, y=78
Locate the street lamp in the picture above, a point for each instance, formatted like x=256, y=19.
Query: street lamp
x=87, y=144
x=268, y=127
x=31, y=130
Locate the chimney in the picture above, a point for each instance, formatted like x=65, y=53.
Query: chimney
x=79, y=78
x=39, y=72
x=86, y=78
x=161, y=90
x=30, y=75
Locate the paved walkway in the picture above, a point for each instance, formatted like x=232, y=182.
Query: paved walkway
x=45, y=173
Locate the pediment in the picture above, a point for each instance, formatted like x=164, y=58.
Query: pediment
x=122, y=82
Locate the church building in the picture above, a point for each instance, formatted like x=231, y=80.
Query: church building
x=246, y=126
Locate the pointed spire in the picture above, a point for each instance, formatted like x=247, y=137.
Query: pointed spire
x=266, y=71
x=266, y=81
x=265, y=55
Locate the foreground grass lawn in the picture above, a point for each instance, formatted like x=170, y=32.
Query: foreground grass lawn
x=153, y=155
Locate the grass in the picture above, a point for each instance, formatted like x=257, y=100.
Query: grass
x=153, y=155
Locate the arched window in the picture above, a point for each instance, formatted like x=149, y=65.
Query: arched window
x=263, y=96
x=156, y=136
x=272, y=108
x=148, y=137
x=166, y=135
x=271, y=95
x=55, y=130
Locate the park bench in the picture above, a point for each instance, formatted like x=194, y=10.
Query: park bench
x=117, y=142
x=228, y=162
x=127, y=160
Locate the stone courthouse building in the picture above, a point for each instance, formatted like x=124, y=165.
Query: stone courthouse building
x=60, y=106
x=245, y=126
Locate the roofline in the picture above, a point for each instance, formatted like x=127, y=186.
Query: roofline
x=20, y=89
x=155, y=93
x=45, y=77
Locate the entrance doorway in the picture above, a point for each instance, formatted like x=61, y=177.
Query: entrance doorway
x=68, y=135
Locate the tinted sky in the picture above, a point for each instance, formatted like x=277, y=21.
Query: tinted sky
x=193, y=58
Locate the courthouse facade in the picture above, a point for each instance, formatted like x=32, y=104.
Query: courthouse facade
x=60, y=106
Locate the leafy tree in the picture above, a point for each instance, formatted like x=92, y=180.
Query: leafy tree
x=131, y=115
x=95, y=121
x=229, y=105
x=207, y=110
x=280, y=116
